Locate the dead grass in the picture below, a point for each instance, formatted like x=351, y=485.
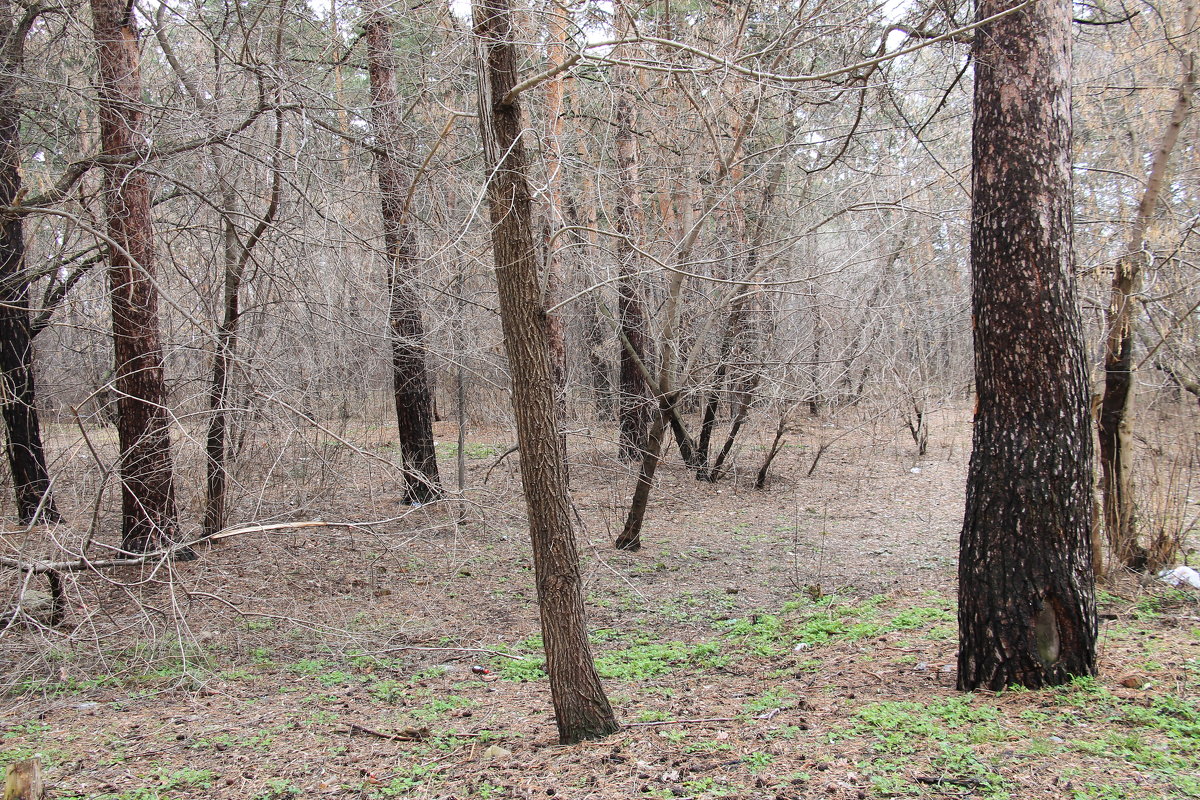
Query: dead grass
x=793, y=642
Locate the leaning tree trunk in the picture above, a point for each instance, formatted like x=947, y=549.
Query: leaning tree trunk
x=411, y=383
x=147, y=491
x=1116, y=411
x=26, y=457
x=1026, y=612
x=581, y=708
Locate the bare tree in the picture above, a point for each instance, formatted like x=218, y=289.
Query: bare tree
x=18, y=396
x=1116, y=412
x=581, y=708
x=147, y=488
x=410, y=375
x=1027, y=612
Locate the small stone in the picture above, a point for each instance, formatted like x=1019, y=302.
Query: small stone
x=494, y=752
x=1135, y=681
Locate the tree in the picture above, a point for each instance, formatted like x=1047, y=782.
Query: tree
x=581, y=708
x=18, y=396
x=410, y=375
x=1027, y=610
x=634, y=412
x=1116, y=412
x=147, y=489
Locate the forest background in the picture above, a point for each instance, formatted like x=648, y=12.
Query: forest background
x=756, y=213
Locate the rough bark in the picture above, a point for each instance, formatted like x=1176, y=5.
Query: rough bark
x=18, y=394
x=411, y=382
x=634, y=407
x=581, y=708
x=557, y=17
x=147, y=490
x=1116, y=411
x=1027, y=610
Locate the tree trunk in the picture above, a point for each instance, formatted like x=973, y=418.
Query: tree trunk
x=414, y=397
x=18, y=396
x=631, y=534
x=1027, y=612
x=557, y=17
x=581, y=708
x=1116, y=411
x=633, y=411
x=147, y=490
x=236, y=255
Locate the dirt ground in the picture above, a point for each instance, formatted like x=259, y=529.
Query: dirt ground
x=792, y=642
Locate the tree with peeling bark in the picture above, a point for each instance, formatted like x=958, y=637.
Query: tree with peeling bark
x=410, y=374
x=582, y=710
x=147, y=488
x=18, y=396
x=1027, y=611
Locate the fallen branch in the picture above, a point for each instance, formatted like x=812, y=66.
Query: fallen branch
x=406, y=734
x=698, y=721
x=84, y=563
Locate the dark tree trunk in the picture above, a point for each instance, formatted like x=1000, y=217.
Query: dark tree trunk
x=410, y=373
x=582, y=710
x=1027, y=612
x=735, y=427
x=215, y=443
x=631, y=534
x=147, y=491
x=18, y=397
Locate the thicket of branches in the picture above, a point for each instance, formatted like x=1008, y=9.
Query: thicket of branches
x=766, y=202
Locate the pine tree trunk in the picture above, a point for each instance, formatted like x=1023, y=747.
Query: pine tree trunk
x=410, y=373
x=582, y=710
x=634, y=406
x=1027, y=611
x=147, y=490
x=18, y=395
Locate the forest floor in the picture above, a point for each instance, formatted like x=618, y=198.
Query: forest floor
x=793, y=642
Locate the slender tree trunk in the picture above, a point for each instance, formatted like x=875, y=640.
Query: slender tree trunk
x=634, y=407
x=1027, y=612
x=18, y=396
x=741, y=403
x=143, y=432
x=411, y=383
x=1116, y=412
x=631, y=535
x=582, y=710
x=236, y=255
x=557, y=16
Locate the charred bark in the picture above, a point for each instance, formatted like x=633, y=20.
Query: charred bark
x=1027, y=611
x=1115, y=426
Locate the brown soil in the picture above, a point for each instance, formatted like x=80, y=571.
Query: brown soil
x=287, y=663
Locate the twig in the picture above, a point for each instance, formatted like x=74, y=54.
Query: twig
x=408, y=734
x=935, y=780
x=496, y=463
x=697, y=721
